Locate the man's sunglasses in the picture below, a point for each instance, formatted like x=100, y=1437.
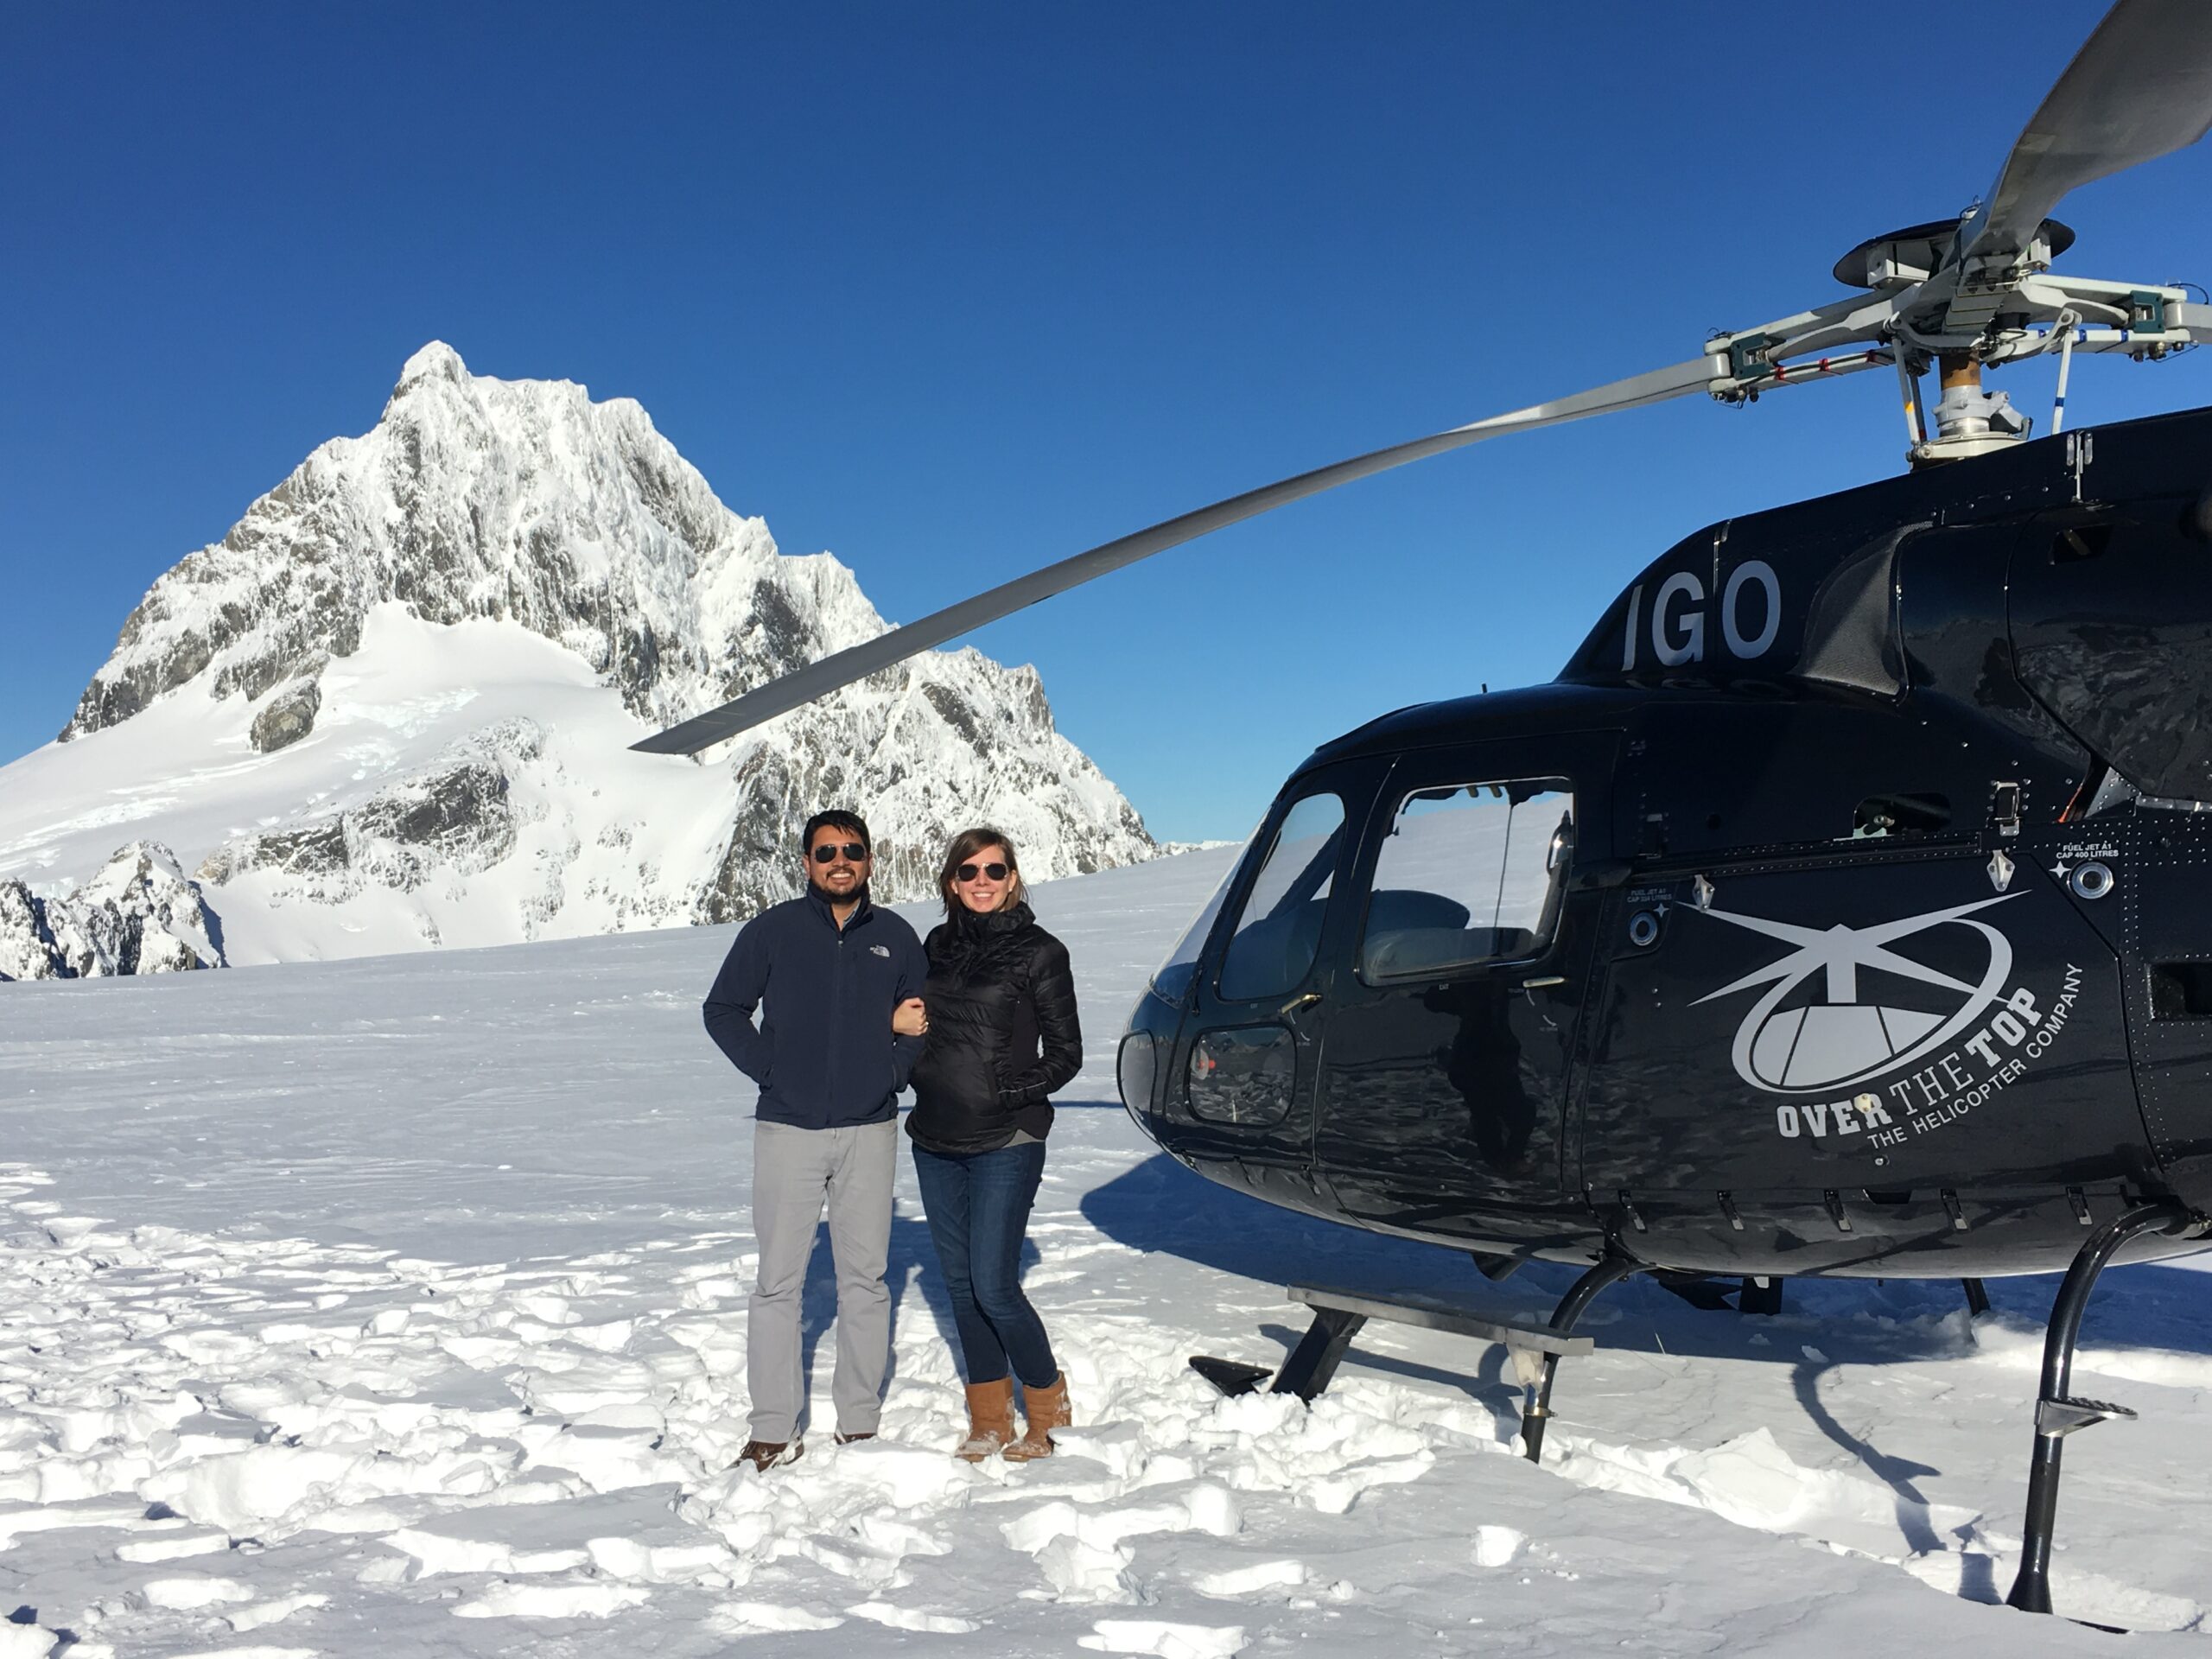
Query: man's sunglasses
x=969, y=871
x=828, y=851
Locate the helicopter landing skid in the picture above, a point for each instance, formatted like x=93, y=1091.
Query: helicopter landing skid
x=1339, y=1315
x=2058, y=1413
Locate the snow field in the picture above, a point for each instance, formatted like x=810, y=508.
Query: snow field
x=398, y=1305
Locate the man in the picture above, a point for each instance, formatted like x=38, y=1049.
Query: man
x=826, y=970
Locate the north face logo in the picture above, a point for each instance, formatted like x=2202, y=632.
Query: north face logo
x=1830, y=1038
x=878, y=950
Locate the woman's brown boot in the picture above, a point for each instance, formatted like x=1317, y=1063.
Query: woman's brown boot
x=1043, y=1410
x=991, y=1420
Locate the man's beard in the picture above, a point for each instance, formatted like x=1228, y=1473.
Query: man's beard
x=849, y=896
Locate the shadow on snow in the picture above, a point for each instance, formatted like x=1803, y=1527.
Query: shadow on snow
x=1160, y=1206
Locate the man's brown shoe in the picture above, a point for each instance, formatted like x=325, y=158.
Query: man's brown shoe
x=1043, y=1410
x=764, y=1455
x=844, y=1439
x=991, y=1420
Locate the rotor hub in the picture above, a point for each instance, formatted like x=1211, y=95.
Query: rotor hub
x=1886, y=264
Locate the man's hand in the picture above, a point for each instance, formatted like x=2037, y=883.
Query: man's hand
x=911, y=1019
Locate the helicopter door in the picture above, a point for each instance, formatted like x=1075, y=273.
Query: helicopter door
x=1248, y=1080
x=1444, y=1076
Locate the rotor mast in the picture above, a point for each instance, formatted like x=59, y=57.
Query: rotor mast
x=1969, y=420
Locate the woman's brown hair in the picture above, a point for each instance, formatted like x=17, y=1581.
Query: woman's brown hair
x=965, y=846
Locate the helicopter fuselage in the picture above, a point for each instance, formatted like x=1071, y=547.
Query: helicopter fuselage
x=1843, y=908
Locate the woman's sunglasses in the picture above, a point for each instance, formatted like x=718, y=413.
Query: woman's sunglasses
x=828, y=851
x=969, y=871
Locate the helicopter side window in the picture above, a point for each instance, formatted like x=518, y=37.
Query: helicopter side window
x=1280, y=928
x=1470, y=873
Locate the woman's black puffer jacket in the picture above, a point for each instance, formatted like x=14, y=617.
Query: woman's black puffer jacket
x=1003, y=1032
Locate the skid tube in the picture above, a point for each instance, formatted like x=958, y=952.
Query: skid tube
x=1571, y=1308
x=2058, y=1413
x=1338, y=1316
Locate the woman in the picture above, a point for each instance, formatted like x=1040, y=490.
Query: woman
x=999, y=1009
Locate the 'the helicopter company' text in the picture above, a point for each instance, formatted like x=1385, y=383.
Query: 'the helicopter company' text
x=2017, y=1034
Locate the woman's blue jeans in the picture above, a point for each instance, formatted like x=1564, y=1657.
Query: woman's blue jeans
x=978, y=1210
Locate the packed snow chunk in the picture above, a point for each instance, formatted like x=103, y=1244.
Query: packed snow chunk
x=569, y=1385
x=26, y=1642
x=1335, y=1494
x=47, y=1518
x=840, y=1500
x=1120, y=1447
x=337, y=1486
x=1496, y=1546
x=636, y=1414
x=577, y=1600
x=1254, y=1580
x=1211, y=1510
x=240, y=1491
x=908, y=1619
x=1751, y=1481
x=1258, y=1415
x=766, y=1618
x=189, y=1595
x=906, y=1477
x=435, y=1553
x=625, y=1558
x=610, y=1459
x=1207, y=1508
x=892, y=1536
x=1166, y=1641
x=173, y=1546
x=1325, y=1455
x=1078, y=1572
x=274, y=1612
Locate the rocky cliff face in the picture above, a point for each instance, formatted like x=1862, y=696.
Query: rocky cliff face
x=141, y=914
x=482, y=497
x=525, y=505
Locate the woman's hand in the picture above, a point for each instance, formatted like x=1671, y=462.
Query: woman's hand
x=911, y=1019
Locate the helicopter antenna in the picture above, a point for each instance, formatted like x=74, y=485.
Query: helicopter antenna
x=1961, y=295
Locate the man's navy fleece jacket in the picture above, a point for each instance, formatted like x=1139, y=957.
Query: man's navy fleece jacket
x=823, y=1054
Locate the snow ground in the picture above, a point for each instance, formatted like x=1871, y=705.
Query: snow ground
x=397, y=1305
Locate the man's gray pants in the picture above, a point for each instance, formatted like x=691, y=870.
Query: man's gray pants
x=794, y=1172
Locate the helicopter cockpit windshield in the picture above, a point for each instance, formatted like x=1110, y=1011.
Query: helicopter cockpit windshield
x=1280, y=926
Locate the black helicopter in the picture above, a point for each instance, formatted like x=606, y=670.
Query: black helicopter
x=1842, y=908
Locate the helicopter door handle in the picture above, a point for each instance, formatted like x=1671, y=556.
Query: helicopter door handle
x=1297, y=1003
x=1545, y=983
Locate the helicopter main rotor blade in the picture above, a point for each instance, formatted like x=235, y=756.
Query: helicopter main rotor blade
x=857, y=662
x=2140, y=87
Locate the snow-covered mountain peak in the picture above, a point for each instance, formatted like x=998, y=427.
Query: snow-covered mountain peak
x=417, y=558
x=436, y=360
x=475, y=497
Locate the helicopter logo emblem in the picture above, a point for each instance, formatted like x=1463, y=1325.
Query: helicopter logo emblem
x=1837, y=1039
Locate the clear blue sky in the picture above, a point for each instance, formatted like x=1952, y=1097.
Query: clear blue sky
x=955, y=289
